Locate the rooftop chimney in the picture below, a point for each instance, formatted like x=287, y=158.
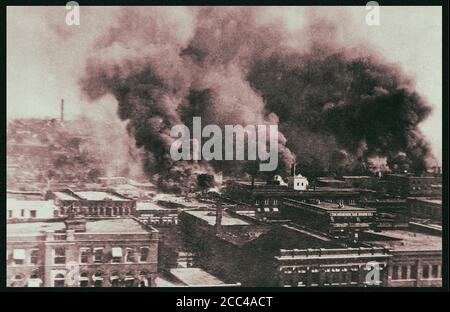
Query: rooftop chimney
x=293, y=167
x=219, y=212
x=77, y=224
x=62, y=111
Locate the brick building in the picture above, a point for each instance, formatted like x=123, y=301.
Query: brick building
x=390, y=212
x=426, y=208
x=240, y=249
x=28, y=210
x=407, y=185
x=267, y=196
x=335, y=219
x=80, y=253
x=416, y=256
x=332, y=267
x=93, y=203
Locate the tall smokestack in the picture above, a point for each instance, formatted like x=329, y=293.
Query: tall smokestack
x=62, y=111
x=219, y=213
x=293, y=167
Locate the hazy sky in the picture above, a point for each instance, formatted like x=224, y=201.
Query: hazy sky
x=45, y=57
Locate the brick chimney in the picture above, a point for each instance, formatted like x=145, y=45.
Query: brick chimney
x=219, y=212
x=77, y=224
x=293, y=167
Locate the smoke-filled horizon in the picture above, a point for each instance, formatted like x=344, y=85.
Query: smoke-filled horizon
x=337, y=100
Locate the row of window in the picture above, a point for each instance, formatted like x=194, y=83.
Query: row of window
x=19, y=256
x=402, y=273
x=32, y=214
x=274, y=209
x=103, y=211
x=96, y=255
x=418, y=188
x=93, y=204
x=85, y=279
x=330, y=276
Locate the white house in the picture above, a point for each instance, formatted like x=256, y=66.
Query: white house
x=298, y=182
x=30, y=209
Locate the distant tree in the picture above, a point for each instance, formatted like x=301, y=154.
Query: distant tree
x=61, y=161
x=205, y=181
x=94, y=173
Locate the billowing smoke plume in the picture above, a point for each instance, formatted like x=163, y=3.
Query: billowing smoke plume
x=343, y=109
x=335, y=108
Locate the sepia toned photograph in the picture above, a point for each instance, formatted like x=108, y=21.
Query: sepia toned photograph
x=224, y=147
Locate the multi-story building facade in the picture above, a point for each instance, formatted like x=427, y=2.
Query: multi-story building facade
x=415, y=268
x=241, y=249
x=426, y=208
x=416, y=256
x=408, y=185
x=149, y=212
x=79, y=253
x=333, y=267
x=93, y=203
x=268, y=196
x=28, y=210
x=327, y=217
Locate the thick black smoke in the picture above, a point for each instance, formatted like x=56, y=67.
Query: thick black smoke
x=342, y=109
x=334, y=110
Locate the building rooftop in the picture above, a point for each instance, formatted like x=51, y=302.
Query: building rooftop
x=210, y=217
x=65, y=196
x=399, y=175
x=13, y=203
x=33, y=228
x=140, y=184
x=119, y=225
x=125, y=187
x=406, y=240
x=329, y=180
x=99, y=195
x=327, y=206
x=147, y=205
x=196, y=277
x=427, y=200
x=189, y=277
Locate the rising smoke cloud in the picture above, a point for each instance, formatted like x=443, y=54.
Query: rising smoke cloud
x=336, y=107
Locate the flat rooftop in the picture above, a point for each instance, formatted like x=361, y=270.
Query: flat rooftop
x=13, y=203
x=210, y=217
x=65, y=196
x=196, y=277
x=119, y=225
x=99, y=195
x=427, y=200
x=327, y=206
x=406, y=240
x=189, y=277
x=264, y=188
x=399, y=175
x=329, y=180
x=150, y=206
x=249, y=183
